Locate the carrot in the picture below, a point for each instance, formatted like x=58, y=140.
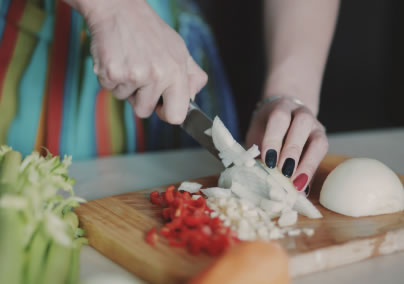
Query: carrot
x=248, y=262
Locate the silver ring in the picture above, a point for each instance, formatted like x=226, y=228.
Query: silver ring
x=269, y=100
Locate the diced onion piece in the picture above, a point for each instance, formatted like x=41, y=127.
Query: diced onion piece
x=251, y=177
x=308, y=231
x=277, y=194
x=191, y=187
x=302, y=205
x=217, y=192
x=288, y=218
x=294, y=232
x=208, y=132
x=221, y=136
x=306, y=208
x=272, y=206
x=195, y=197
x=243, y=192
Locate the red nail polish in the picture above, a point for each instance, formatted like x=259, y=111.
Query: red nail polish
x=300, y=181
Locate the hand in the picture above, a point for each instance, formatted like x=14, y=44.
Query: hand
x=140, y=58
x=290, y=137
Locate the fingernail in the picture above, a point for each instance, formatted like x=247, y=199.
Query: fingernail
x=288, y=167
x=307, y=190
x=271, y=158
x=300, y=181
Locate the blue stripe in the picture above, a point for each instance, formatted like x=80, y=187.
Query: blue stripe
x=86, y=146
x=130, y=128
x=23, y=130
x=71, y=88
x=163, y=9
x=5, y=4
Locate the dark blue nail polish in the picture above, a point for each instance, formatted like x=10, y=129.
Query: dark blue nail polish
x=307, y=191
x=288, y=167
x=271, y=158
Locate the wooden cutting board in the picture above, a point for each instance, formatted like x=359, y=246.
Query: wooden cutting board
x=116, y=226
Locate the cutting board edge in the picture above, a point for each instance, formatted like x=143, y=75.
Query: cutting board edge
x=353, y=252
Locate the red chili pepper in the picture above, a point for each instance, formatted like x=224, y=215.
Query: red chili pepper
x=189, y=223
x=166, y=213
x=177, y=244
x=151, y=237
x=169, y=194
x=155, y=198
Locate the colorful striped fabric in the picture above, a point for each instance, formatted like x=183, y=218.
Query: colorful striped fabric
x=50, y=97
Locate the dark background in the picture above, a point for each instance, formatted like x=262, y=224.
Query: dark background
x=362, y=83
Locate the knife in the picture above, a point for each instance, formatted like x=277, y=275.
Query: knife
x=196, y=123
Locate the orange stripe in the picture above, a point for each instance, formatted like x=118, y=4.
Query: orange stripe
x=10, y=35
x=104, y=147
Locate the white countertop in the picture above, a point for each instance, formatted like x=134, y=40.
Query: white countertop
x=109, y=176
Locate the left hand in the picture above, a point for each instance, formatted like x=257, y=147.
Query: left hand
x=290, y=137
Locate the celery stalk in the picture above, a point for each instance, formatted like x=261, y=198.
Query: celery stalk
x=36, y=256
x=71, y=219
x=75, y=261
x=9, y=167
x=57, y=264
x=11, y=246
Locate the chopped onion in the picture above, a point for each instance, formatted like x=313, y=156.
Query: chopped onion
x=306, y=208
x=244, y=193
x=288, y=218
x=191, y=187
x=272, y=206
x=208, y=132
x=216, y=192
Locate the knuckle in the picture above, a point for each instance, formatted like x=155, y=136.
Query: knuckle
x=137, y=74
x=310, y=168
x=304, y=119
x=157, y=73
x=112, y=73
x=280, y=116
x=293, y=150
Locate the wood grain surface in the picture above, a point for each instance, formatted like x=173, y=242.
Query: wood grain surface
x=116, y=227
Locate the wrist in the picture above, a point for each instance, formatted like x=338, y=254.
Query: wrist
x=95, y=11
x=302, y=92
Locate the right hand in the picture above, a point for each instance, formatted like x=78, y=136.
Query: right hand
x=140, y=58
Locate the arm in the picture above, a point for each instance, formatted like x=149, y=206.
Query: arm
x=140, y=58
x=298, y=35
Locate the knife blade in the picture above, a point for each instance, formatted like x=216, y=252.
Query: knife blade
x=196, y=123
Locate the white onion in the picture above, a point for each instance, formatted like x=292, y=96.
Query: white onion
x=191, y=187
x=362, y=187
x=216, y=192
x=287, y=218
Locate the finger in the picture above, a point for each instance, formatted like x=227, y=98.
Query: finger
x=197, y=78
x=124, y=90
x=176, y=100
x=107, y=84
x=298, y=133
x=316, y=149
x=276, y=128
x=145, y=99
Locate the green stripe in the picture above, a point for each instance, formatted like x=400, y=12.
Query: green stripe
x=22, y=54
x=116, y=124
